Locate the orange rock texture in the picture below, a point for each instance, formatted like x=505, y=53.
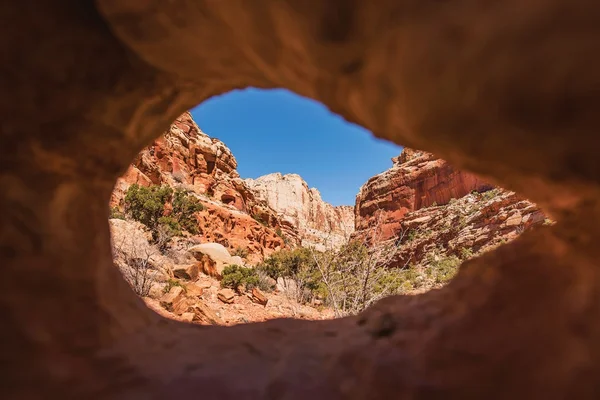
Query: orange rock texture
x=507, y=90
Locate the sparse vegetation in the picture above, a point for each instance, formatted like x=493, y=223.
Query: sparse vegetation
x=171, y=283
x=490, y=194
x=236, y=276
x=115, y=213
x=441, y=267
x=184, y=208
x=258, y=218
x=147, y=205
x=136, y=265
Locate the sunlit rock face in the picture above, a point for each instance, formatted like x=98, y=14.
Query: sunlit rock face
x=416, y=180
x=184, y=156
x=318, y=222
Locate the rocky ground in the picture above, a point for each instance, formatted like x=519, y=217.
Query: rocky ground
x=183, y=282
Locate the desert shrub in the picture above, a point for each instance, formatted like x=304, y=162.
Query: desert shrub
x=115, y=213
x=489, y=195
x=184, y=208
x=235, y=276
x=442, y=268
x=279, y=233
x=466, y=253
x=171, y=283
x=265, y=282
x=297, y=265
x=146, y=204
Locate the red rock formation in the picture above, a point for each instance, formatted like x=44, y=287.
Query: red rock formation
x=185, y=157
x=416, y=180
x=317, y=222
x=234, y=229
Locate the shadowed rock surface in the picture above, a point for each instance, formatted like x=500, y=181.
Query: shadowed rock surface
x=507, y=90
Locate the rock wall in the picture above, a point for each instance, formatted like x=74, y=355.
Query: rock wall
x=506, y=94
x=318, y=223
x=187, y=158
x=416, y=180
x=464, y=227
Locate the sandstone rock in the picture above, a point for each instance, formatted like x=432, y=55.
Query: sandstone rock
x=186, y=158
x=416, y=180
x=203, y=313
x=474, y=223
x=187, y=316
x=226, y=295
x=318, y=223
x=259, y=297
x=187, y=272
x=508, y=94
x=193, y=290
x=174, y=299
x=287, y=286
x=212, y=258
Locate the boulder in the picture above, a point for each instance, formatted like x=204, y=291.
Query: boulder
x=226, y=296
x=259, y=297
x=174, y=301
x=203, y=313
x=193, y=290
x=212, y=258
x=187, y=272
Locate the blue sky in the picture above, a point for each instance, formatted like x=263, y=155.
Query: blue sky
x=279, y=131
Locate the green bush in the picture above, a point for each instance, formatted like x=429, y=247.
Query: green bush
x=184, y=208
x=115, y=213
x=235, y=276
x=146, y=204
x=171, y=283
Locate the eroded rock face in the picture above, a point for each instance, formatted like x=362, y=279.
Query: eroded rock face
x=184, y=156
x=508, y=95
x=318, y=223
x=470, y=225
x=416, y=180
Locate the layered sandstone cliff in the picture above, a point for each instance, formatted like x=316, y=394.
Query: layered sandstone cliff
x=416, y=180
x=319, y=223
x=186, y=158
x=430, y=212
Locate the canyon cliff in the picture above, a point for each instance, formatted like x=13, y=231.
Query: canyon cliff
x=319, y=223
x=431, y=211
x=187, y=159
x=258, y=215
x=416, y=180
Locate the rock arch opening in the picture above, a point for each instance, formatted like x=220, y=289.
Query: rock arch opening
x=250, y=249
x=503, y=90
